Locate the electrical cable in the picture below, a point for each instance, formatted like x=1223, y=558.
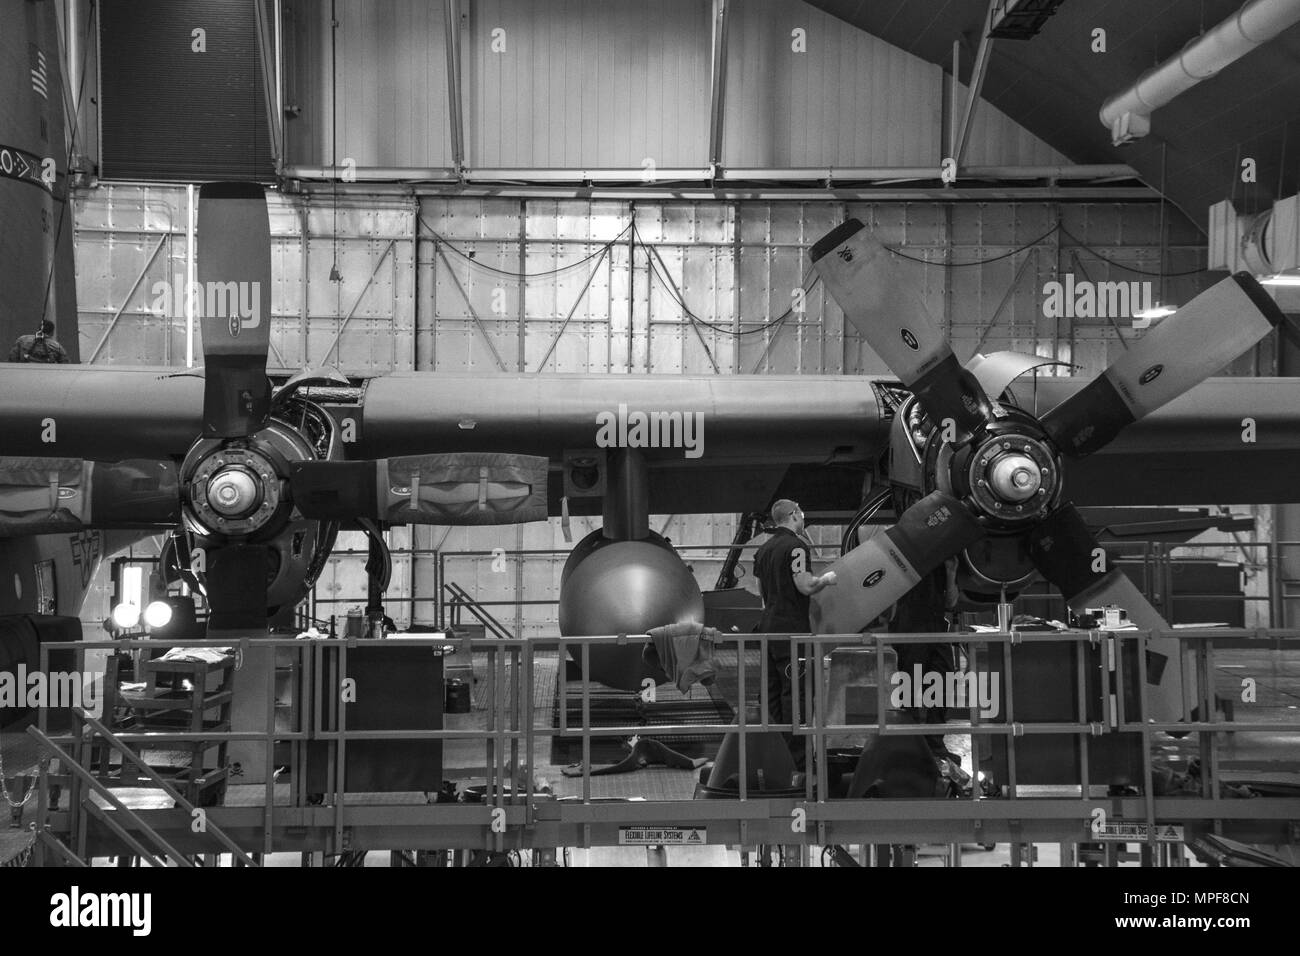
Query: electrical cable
x=695, y=319
x=1119, y=265
x=848, y=541
x=523, y=275
x=977, y=262
x=652, y=256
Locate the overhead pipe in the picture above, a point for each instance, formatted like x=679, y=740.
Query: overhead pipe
x=537, y=176
x=706, y=193
x=372, y=174
x=1128, y=114
x=900, y=173
x=638, y=174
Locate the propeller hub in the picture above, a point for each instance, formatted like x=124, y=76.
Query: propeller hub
x=1015, y=478
x=232, y=492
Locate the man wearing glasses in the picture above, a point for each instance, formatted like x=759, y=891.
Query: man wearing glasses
x=782, y=568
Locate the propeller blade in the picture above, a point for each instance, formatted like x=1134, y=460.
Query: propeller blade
x=878, y=572
x=235, y=580
x=452, y=489
x=50, y=495
x=884, y=307
x=1173, y=357
x=234, y=274
x=1064, y=550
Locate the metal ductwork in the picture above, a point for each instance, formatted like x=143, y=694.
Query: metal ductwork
x=1262, y=243
x=1128, y=114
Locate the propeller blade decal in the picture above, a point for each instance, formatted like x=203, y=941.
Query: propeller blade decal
x=234, y=291
x=887, y=310
x=878, y=572
x=1173, y=357
x=1063, y=550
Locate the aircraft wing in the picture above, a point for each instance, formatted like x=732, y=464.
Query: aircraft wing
x=809, y=437
x=718, y=444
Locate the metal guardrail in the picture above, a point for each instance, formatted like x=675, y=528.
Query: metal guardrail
x=512, y=731
x=1157, y=559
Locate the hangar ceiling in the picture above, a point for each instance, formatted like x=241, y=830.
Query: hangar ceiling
x=1054, y=85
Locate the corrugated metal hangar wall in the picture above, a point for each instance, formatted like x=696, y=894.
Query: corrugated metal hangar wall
x=579, y=308
x=433, y=282
x=571, y=83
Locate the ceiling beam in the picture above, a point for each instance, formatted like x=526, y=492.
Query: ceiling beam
x=825, y=176
x=735, y=193
x=454, y=112
x=718, y=83
x=962, y=135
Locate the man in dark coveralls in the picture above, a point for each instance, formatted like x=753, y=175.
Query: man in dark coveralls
x=782, y=567
x=39, y=347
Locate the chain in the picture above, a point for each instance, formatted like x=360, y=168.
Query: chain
x=31, y=788
x=24, y=857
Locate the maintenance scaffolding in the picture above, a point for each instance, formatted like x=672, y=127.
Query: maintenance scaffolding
x=81, y=812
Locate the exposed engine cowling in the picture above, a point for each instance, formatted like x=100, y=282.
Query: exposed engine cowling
x=624, y=587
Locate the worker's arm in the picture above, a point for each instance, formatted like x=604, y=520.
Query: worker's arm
x=807, y=582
